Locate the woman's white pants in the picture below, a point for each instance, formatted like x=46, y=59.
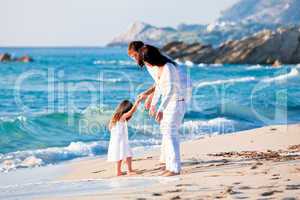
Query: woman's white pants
x=170, y=149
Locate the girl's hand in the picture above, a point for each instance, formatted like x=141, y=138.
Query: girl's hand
x=152, y=111
x=159, y=117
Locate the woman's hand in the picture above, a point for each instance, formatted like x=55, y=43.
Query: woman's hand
x=142, y=96
x=152, y=111
x=139, y=99
x=159, y=117
x=148, y=101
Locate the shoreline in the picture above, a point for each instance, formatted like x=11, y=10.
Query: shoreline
x=252, y=164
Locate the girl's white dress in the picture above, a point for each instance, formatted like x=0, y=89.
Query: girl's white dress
x=119, y=148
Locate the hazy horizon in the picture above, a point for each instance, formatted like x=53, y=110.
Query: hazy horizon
x=60, y=23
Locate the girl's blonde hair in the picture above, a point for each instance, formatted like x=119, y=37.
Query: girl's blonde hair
x=122, y=108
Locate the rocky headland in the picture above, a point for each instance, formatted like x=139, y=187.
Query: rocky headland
x=266, y=47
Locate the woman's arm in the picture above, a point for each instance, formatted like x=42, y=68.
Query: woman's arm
x=150, y=90
x=132, y=110
x=146, y=93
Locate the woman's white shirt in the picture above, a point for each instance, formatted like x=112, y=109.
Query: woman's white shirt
x=153, y=71
x=177, y=76
x=169, y=86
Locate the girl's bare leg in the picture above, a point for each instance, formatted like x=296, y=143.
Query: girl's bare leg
x=129, y=165
x=119, y=165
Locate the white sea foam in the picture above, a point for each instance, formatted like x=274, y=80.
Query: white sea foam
x=31, y=161
x=178, y=62
x=113, y=62
x=293, y=73
x=254, y=67
x=34, y=158
x=216, y=65
x=19, y=118
x=212, y=122
x=189, y=63
x=202, y=65
x=219, y=82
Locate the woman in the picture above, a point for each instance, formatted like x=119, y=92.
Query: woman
x=171, y=111
x=133, y=52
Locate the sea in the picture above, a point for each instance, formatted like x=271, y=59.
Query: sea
x=57, y=107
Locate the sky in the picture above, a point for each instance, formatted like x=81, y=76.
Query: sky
x=94, y=22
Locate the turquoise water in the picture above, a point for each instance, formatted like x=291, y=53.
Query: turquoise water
x=57, y=107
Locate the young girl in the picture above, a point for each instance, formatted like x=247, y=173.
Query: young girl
x=119, y=149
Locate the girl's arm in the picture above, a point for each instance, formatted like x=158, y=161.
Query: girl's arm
x=132, y=110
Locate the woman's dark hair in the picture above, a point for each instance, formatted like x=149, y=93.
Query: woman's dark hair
x=152, y=55
x=135, y=46
x=149, y=54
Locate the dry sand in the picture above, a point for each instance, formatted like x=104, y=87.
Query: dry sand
x=262, y=163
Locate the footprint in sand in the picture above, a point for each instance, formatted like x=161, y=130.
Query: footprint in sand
x=157, y=194
x=96, y=172
x=245, y=188
x=239, y=197
x=184, y=185
x=270, y=193
x=214, y=175
x=293, y=187
x=289, y=198
x=176, y=197
x=275, y=178
x=266, y=187
x=174, y=191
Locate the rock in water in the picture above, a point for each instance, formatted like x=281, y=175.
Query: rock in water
x=266, y=47
x=25, y=59
x=8, y=58
x=5, y=57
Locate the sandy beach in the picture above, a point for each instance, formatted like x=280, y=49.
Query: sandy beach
x=263, y=163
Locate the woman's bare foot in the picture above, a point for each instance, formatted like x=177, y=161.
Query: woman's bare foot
x=119, y=173
x=171, y=174
x=162, y=166
x=164, y=172
x=132, y=173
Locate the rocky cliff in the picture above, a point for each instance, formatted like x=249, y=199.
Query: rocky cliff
x=264, y=11
x=145, y=32
x=265, y=47
x=243, y=19
x=215, y=33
